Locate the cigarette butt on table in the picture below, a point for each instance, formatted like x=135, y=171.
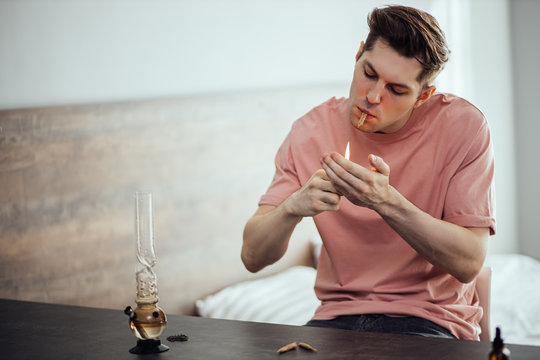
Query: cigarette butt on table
x=306, y=346
x=294, y=345
x=287, y=347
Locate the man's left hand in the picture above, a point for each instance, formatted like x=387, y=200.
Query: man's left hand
x=363, y=187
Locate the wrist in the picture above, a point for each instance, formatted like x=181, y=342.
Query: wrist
x=391, y=206
x=289, y=208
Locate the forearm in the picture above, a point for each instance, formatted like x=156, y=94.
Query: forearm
x=266, y=236
x=267, y=233
x=458, y=250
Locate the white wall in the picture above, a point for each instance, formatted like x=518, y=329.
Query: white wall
x=478, y=33
x=78, y=51
x=72, y=51
x=525, y=54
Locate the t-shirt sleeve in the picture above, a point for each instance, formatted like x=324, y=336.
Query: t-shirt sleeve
x=285, y=181
x=470, y=198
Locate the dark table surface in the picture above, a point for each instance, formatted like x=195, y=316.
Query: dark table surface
x=31, y=330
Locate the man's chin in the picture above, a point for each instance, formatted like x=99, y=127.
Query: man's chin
x=354, y=122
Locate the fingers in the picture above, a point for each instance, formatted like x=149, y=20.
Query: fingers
x=316, y=196
x=359, y=185
x=340, y=178
x=320, y=174
x=360, y=172
x=328, y=202
x=379, y=165
x=343, y=172
x=321, y=180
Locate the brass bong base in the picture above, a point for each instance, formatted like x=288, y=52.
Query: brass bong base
x=147, y=322
x=148, y=347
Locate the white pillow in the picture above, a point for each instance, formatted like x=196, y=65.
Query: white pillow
x=515, y=297
x=285, y=298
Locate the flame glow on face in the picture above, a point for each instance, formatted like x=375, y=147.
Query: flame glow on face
x=348, y=151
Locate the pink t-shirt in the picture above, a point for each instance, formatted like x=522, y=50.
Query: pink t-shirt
x=442, y=162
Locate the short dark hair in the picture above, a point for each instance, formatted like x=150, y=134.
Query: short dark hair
x=412, y=33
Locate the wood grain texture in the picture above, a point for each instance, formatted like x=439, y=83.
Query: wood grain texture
x=68, y=175
x=44, y=331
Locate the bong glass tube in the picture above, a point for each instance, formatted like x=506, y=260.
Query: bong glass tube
x=146, y=253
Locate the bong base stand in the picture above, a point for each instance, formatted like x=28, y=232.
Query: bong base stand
x=148, y=347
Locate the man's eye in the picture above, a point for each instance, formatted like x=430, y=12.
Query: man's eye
x=369, y=76
x=397, y=92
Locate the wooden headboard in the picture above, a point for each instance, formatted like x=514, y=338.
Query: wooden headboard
x=68, y=175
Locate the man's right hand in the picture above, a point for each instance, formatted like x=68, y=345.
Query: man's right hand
x=267, y=232
x=316, y=196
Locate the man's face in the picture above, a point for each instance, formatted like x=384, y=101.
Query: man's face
x=384, y=86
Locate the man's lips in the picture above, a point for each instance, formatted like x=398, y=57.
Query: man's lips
x=360, y=111
x=361, y=116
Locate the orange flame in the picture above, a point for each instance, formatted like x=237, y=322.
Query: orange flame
x=348, y=151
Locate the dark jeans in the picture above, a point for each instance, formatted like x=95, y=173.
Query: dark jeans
x=410, y=325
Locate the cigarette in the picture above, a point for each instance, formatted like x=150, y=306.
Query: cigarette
x=287, y=347
x=307, y=346
x=361, y=120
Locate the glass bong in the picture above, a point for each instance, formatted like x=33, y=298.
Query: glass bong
x=147, y=321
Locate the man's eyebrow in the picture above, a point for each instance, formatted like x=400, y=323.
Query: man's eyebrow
x=371, y=68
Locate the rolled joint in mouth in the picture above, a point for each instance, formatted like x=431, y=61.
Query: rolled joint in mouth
x=361, y=120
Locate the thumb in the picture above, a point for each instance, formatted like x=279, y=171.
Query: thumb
x=379, y=165
x=321, y=174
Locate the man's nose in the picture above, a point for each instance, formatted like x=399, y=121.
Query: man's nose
x=375, y=93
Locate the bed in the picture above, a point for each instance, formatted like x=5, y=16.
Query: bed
x=288, y=297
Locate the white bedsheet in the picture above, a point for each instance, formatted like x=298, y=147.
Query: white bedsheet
x=515, y=297
x=288, y=298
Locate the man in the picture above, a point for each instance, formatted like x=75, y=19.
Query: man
x=405, y=221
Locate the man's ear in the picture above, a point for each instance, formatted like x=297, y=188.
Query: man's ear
x=359, y=53
x=424, y=96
